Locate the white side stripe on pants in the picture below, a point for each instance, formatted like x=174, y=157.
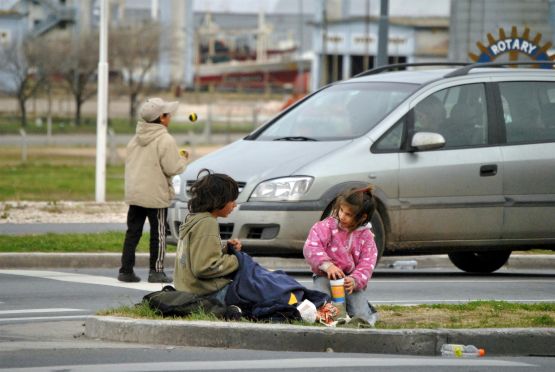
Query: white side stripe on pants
x=161, y=239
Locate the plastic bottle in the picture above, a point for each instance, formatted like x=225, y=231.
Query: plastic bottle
x=461, y=351
x=404, y=264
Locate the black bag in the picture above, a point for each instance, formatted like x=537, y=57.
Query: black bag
x=170, y=302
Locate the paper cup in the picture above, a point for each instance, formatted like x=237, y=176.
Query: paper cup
x=337, y=288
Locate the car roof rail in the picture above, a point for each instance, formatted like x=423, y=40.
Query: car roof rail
x=466, y=69
x=396, y=66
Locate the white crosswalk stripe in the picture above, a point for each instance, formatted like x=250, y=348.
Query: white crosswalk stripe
x=84, y=279
x=46, y=314
x=46, y=318
x=29, y=311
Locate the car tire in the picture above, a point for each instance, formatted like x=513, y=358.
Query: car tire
x=378, y=228
x=479, y=262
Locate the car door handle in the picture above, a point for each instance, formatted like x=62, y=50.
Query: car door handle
x=488, y=170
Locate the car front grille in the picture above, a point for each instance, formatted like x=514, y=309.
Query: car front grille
x=226, y=230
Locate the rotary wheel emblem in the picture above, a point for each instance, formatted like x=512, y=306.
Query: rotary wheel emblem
x=513, y=46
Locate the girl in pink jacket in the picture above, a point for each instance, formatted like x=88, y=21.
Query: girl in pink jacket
x=342, y=246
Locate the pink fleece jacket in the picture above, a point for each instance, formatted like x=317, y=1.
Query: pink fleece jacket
x=355, y=253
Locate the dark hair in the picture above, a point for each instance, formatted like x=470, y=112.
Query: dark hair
x=360, y=200
x=212, y=191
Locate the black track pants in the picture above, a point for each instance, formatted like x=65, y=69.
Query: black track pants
x=136, y=217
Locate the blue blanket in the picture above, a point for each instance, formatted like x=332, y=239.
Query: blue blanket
x=266, y=295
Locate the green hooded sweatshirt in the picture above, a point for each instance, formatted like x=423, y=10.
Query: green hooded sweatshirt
x=201, y=266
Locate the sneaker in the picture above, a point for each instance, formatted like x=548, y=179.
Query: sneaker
x=372, y=308
x=359, y=322
x=374, y=316
x=159, y=277
x=233, y=312
x=128, y=277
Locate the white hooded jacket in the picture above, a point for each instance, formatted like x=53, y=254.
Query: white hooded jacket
x=152, y=160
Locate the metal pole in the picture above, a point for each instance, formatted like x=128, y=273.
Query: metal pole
x=49, y=116
x=154, y=7
x=324, y=68
x=383, y=38
x=301, y=48
x=23, y=145
x=366, y=57
x=102, y=105
x=551, y=17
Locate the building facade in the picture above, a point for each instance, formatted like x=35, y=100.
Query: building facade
x=501, y=30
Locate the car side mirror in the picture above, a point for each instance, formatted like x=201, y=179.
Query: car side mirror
x=423, y=141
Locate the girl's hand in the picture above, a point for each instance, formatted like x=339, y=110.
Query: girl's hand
x=335, y=272
x=236, y=243
x=350, y=284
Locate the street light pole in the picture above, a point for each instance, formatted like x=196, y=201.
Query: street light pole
x=383, y=38
x=102, y=105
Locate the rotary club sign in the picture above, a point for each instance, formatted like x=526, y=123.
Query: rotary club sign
x=514, y=45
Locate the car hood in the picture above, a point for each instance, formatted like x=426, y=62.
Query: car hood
x=254, y=161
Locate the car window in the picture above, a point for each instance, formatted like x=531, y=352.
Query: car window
x=528, y=111
x=459, y=114
x=392, y=140
x=341, y=111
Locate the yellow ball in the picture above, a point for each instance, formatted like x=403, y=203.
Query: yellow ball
x=193, y=117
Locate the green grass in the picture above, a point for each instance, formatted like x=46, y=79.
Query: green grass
x=42, y=181
x=475, y=314
x=140, y=311
x=143, y=311
x=64, y=243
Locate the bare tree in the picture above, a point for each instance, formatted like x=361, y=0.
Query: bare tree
x=21, y=64
x=135, y=50
x=77, y=60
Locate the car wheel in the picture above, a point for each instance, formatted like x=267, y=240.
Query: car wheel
x=378, y=229
x=479, y=262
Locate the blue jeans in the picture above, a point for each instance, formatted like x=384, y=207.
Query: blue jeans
x=357, y=302
x=220, y=295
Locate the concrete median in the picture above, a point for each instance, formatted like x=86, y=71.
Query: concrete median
x=283, y=337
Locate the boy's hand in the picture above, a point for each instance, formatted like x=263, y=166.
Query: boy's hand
x=335, y=272
x=236, y=243
x=350, y=284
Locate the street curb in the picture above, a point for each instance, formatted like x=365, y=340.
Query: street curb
x=113, y=260
x=281, y=337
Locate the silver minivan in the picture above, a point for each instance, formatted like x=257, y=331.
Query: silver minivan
x=462, y=160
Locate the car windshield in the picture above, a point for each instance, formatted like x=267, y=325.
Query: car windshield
x=339, y=112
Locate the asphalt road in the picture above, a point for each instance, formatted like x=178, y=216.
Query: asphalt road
x=90, y=290
x=42, y=314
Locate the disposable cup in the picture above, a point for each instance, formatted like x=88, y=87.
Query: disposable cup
x=337, y=287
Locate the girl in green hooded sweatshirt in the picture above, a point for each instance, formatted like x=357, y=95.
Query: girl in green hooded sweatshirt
x=202, y=264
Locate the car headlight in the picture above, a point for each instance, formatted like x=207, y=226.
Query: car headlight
x=176, y=183
x=281, y=189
